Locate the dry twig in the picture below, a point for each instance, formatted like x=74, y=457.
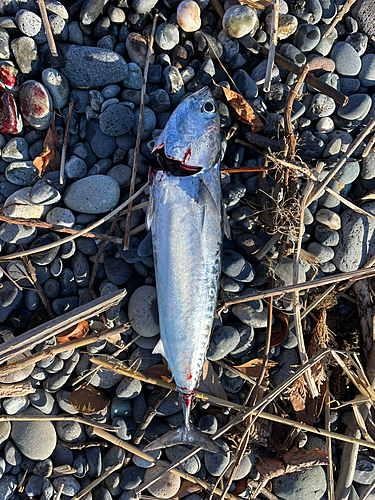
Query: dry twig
x=47, y=28
x=139, y=132
x=273, y=43
x=338, y=17
x=65, y=142
x=97, y=481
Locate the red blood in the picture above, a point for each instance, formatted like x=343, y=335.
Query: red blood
x=187, y=399
x=189, y=375
x=10, y=121
x=7, y=75
x=187, y=155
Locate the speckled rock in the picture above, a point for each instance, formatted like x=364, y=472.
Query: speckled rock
x=92, y=195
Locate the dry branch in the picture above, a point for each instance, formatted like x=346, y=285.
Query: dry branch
x=47, y=28
x=16, y=390
x=273, y=43
x=30, y=339
x=97, y=481
x=139, y=132
x=339, y=16
x=65, y=143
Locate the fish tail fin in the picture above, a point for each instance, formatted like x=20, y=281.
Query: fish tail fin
x=185, y=435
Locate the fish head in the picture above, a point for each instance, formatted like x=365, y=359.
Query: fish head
x=191, y=137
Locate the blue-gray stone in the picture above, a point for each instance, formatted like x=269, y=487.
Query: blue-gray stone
x=93, y=195
x=347, y=60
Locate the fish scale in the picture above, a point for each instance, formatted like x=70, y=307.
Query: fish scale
x=186, y=224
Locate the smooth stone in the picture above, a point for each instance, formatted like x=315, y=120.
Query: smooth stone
x=128, y=388
x=116, y=120
x=191, y=465
x=35, y=439
x=325, y=125
x=101, y=144
x=149, y=122
x=368, y=166
x=356, y=244
x=25, y=52
x=117, y=270
x=21, y=173
x=132, y=476
x=10, y=298
x=15, y=405
x=36, y=104
x=367, y=74
x=141, y=462
x=328, y=218
x=325, y=236
x=58, y=87
x=215, y=463
x=143, y=6
x=75, y=168
x=30, y=24
x=349, y=85
x=42, y=401
x=16, y=149
x=45, y=257
x=165, y=487
x=223, y=341
x=239, y=20
x=287, y=25
x=121, y=174
x=93, y=195
x=63, y=305
x=70, y=485
x=236, y=267
x=357, y=107
x=310, y=146
x=143, y=312
x=307, y=37
x=306, y=483
x=246, y=84
x=167, y=36
x=137, y=48
x=43, y=193
x=105, y=66
x=347, y=60
x=8, y=486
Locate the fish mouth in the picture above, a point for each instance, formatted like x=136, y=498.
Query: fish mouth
x=174, y=167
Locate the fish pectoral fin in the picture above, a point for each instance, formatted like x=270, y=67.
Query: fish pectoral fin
x=226, y=226
x=205, y=198
x=150, y=212
x=159, y=349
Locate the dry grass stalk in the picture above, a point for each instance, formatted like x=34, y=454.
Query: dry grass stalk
x=273, y=44
x=60, y=229
x=361, y=424
x=135, y=451
x=323, y=184
x=57, y=418
x=47, y=28
x=369, y=146
x=367, y=491
x=30, y=339
x=16, y=390
x=139, y=132
x=330, y=480
x=218, y=7
x=59, y=493
x=97, y=481
x=65, y=143
x=337, y=278
x=82, y=232
x=345, y=9
x=259, y=488
x=54, y=350
x=31, y=276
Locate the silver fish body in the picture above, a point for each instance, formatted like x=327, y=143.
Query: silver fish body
x=186, y=224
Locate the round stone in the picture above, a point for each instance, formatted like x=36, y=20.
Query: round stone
x=128, y=388
x=75, y=168
x=149, y=122
x=60, y=217
x=35, y=439
x=44, y=193
x=21, y=173
x=121, y=174
x=16, y=149
x=93, y=195
x=239, y=20
x=347, y=60
x=215, y=463
x=321, y=106
x=116, y=120
x=223, y=341
x=143, y=6
x=8, y=486
x=306, y=483
x=323, y=253
x=236, y=267
x=143, y=311
x=165, y=487
x=325, y=125
x=189, y=15
x=287, y=25
x=167, y=36
x=30, y=24
x=117, y=270
x=307, y=37
x=35, y=104
x=356, y=108
x=367, y=74
x=328, y=218
x=58, y=87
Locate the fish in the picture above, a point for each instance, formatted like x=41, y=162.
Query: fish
x=185, y=217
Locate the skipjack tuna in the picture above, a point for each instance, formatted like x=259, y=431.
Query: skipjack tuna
x=185, y=217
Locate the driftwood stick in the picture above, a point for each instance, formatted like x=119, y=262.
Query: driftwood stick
x=139, y=131
x=82, y=232
x=47, y=28
x=53, y=350
x=273, y=43
x=60, y=229
x=97, y=481
x=16, y=390
x=310, y=79
x=30, y=339
x=328, y=280
x=338, y=17
x=65, y=143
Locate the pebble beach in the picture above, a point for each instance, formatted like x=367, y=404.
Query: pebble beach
x=85, y=103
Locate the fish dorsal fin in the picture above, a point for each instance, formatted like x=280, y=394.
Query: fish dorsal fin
x=226, y=226
x=159, y=349
x=205, y=197
x=150, y=212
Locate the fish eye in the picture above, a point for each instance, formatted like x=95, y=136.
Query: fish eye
x=209, y=106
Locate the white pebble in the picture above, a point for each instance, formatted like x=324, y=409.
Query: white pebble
x=328, y=218
x=325, y=125
x=187, y=74
x=189, y=16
